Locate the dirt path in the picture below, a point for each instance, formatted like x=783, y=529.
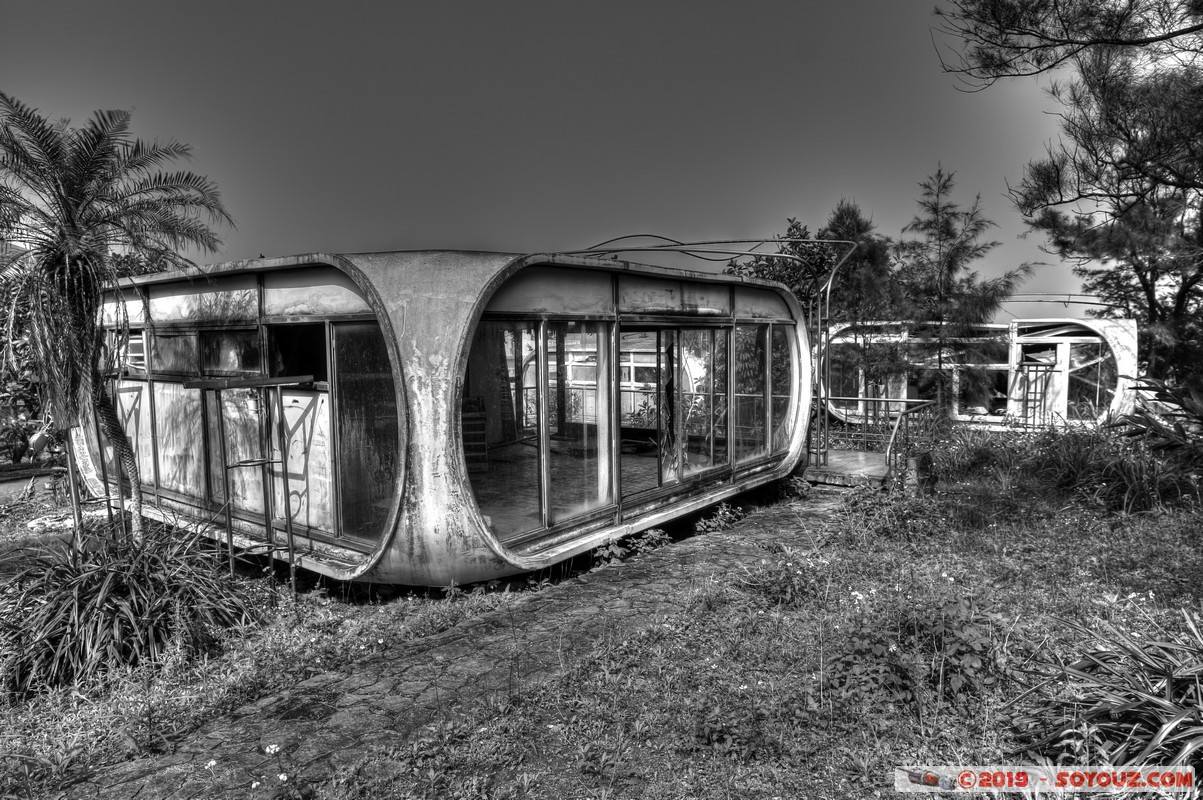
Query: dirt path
x=335, y=718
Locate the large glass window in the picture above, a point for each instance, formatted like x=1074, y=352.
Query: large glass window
x=845, y=385
x=698, y=400
x=367, y=428
x=579, y=426
x=645, y=429
x=751, y=438
x=500, y=425
x=551, y=412
x=782, y=387
x=1093, y=376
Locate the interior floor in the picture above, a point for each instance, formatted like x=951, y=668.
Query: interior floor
x=508, y=495
x=506, y=485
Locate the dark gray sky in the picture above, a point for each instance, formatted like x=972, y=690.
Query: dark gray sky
x=533, y=125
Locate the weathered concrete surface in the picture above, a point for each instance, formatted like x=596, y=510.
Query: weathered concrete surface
x=850, y=468
x=335, y=718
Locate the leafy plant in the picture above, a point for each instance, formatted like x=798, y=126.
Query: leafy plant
x=952, y=647
x=619, y=550
x=650, y=539
x=791, y=581
x=959, y=642
x=1171, y=418
x=1127, y=701
x=872, y=667
x=735, y=726
x=608, y=553
x=80, y=613
x=724, y=517
x=647, y=415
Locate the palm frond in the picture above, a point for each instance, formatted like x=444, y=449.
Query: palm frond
x=72, y=197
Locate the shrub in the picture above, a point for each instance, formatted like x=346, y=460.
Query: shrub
x=960, y=644
x=1127, y=701
x=78, y=614
x=1120, y=472
x=791, y=581
x=953, y=647
x=724, y=517
x=966, y=452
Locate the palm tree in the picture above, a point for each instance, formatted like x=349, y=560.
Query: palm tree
x=72, y=201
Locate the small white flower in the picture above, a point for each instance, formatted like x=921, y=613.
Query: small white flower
x=272, y=749
x=283, y=777
x=255, y=784
x=212, y=763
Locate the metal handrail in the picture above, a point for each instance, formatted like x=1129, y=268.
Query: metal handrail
x=898, y=422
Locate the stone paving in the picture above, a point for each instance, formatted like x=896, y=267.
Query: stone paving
x=335, y=718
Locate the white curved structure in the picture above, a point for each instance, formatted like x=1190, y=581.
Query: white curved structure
x=1028, y=372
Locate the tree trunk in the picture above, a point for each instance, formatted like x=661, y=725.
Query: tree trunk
x=110, y=424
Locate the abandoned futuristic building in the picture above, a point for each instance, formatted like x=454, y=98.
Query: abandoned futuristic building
x=1029, y=372
x=423, y=417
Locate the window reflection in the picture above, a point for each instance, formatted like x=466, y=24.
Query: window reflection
x=500, y=426
x=750, y=380
x=230, y=353
x=643, y=435
x=174, y=352
x=697, y=399
x=579, y=425
x=782, y=387
x=541, y=402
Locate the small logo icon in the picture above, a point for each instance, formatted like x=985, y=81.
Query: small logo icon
x=929, y=778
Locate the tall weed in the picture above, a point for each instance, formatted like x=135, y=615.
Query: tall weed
x=1108, y=465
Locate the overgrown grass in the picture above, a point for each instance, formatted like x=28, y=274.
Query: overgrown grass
x=1103, y=465
x=51, y=737
x=903, y=630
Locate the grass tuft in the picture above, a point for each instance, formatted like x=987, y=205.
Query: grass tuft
x=78, y=614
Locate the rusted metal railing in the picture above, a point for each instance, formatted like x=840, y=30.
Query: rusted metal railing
x=914, y=425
